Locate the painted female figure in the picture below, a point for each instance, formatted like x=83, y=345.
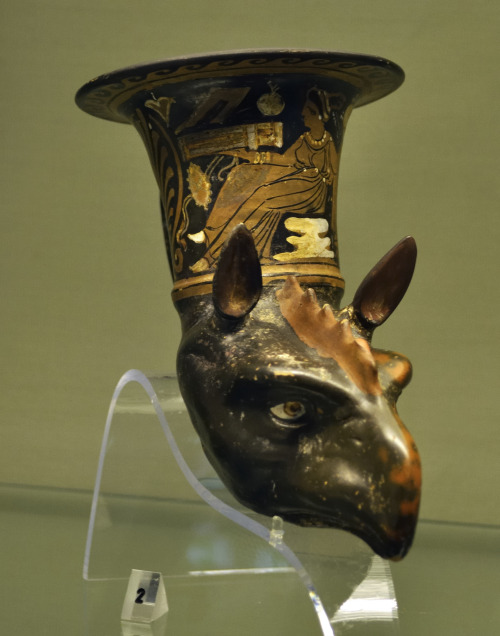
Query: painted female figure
x=296, y=181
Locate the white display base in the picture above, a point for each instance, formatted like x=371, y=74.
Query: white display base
x=158, y=505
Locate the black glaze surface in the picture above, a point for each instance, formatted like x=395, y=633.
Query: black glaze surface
x=290, y=433
x=295, y=409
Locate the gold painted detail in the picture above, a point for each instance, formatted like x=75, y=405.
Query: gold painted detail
x=162, y=106
x=251, y=136
x=198, y=237
x=311, y=242
x=260, y=185
x=199, y=186
x=312, y=266
x=224, y=101
x=266, y=186
x=271, y=103
x=372, y=77
x=313, y=272
x=166, y=165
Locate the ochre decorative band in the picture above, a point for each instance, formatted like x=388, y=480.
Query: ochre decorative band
x=306, y=274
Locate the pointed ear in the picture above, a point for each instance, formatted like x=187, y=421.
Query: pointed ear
x=384, y=287
x=238, y=277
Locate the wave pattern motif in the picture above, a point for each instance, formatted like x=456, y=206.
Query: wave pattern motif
x=105, y=96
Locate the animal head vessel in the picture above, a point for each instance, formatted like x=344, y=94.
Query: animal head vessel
x=294, y=408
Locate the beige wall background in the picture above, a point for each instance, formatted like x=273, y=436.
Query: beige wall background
x=84, y=280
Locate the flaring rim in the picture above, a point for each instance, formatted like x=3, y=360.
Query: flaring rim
x=374, y=76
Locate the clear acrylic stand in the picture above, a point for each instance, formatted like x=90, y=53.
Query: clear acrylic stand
x=158, y=505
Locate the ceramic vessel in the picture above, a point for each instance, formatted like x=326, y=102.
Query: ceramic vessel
x=294, y=407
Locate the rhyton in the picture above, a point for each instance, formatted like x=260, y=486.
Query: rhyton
x=294, y=407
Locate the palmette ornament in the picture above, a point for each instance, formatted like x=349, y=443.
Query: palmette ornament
x=294, y=407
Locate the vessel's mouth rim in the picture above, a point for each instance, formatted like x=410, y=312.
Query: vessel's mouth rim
x=375, y=76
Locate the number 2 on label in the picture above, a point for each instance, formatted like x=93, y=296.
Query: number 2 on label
x=140, y=595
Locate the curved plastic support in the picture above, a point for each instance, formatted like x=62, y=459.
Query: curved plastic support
x=143, y=501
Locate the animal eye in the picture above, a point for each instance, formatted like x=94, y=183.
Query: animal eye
x=289, y=412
